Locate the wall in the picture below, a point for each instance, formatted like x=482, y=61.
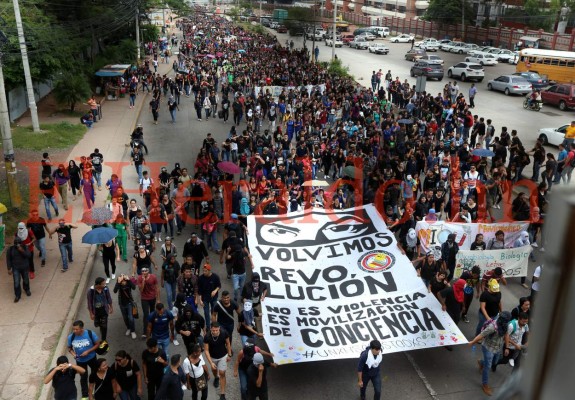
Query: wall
x=18, y=98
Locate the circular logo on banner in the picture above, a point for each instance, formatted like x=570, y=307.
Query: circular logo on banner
x=376, y=261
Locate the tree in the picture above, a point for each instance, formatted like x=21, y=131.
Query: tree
x=448, y=12
x=71, y=89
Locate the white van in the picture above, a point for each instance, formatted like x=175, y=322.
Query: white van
x=380, y=31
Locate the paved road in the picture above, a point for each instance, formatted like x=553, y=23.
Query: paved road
x=423, y=374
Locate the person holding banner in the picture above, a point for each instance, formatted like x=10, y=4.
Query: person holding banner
x=369, y=368
x=449, y=250
x=471, y=285
x=451, y=299
x=524, y=241
x=489, y=304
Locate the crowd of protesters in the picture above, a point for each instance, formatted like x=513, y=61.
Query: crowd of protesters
x=430, y=152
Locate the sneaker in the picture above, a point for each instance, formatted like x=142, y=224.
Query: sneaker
x=494, y=367
x=28, y=293
x=144, y=337
x=512, y=362
x=113, y=276
x=128, y=332
x=134, y=335
x=217, y=382
x=16, y=299
x=534, y=244
x=64, y=270
x=32, y=275
x=160, y=239
x=465, y=319
x=222, y=397
x=57, y=213
x=155, y=239
x=176, y=343
x=107, y=280
x=84, y=398
x=525, y=285
x=43, y=263
x=542, y=250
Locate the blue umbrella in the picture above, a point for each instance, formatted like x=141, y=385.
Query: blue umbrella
x=405, y=121
x=99, y=235
x=241, y=51
x=483, y=153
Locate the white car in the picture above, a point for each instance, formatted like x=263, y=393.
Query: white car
x=469, y=47
x=367, y=36
x=467, y=71
x=554, y=136
x=482, y=59
x=445, y=44
x=403, y=38
x=429, y=44
x=432, y=59
x=378, y=48
x=359, y=43
x=338, y=41
x=458, y=47
x=503, y=55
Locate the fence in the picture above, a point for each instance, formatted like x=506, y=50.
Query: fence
x=18, y=98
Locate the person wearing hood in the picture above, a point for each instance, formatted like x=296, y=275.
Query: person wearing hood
x=409, y=244
x=192, y=327
x=247, y=323
x=369, y=369
x=257, y=378
x=18, y=263
x=62, y=378
x=197, y=249
x=451, y=299
x=254, y=290
x=27, y=238
x=494, y=335
x=449, y=250
x=523, y=240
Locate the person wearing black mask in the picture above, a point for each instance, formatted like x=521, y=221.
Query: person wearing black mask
x=449, y=250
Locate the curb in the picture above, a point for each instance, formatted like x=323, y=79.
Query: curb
x=62, y=345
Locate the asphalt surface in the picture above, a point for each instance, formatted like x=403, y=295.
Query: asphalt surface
x=423, y=374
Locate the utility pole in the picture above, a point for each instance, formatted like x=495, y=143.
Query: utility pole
x=27, y=76
x=334, y=29
x=7, y=146
x=138, y=32
x=462, y=20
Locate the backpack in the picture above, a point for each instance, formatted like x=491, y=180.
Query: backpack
x=237, y=253
x=271, y=209
x=487, y=323
x=90, y=335
x=514, y=323
x=249, y=352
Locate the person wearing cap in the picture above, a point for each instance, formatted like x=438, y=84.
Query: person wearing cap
x=369, y=369
x=209, y=284
x=99, y=303
x=490, y=304
x=257, y=384
x=62, y=377
x=493, y=337
x=244, y=361
x=64, y=232
x=18, y=262
x=495, y=273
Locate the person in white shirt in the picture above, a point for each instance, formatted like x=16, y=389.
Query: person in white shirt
x=535, y=283
x=196, y=372
x=516, y=341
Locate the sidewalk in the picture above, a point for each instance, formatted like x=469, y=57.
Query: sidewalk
x=34, y=331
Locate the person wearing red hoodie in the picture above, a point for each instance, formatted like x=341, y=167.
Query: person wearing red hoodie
x=451, y=299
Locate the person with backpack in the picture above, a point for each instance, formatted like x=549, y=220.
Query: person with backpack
x=369, y=369
x=516, y=341
x=100, y=305
x=62, y=377
x=493, y=336
x=82, y=344
x=192, y=327
x=244, y=360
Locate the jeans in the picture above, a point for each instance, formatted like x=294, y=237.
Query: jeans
x=139, y=170
x=173, y=115
x=213, y=240
x=243, y=375
x=128, y=316
x=132, y=101
x=208, y=307
x=226, y=155
x=20, y=275
x=47, y=202
x=130, y=394
x=84, y=377
x=376, y=380
x=536, y=168
x=40, y=244
x=169, y=224
x=66, y=254
x=164, y=344
x=171, y=288
x=238, y=282
x=147, y=308
x=98, y=177
x=489, y=359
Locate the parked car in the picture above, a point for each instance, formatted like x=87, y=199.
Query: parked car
x=534, y=79
x=418, y=44
x=359, y=43
x=338, y=42
x=310, y=34
x=458, y=47
x=470, y=47
x=282, y=29
x=378, y=48
x=467, y=71
x=445, y=44
x=482, y=59
x=380, y=31
x=432, y=59
x=414, y=54
x=554, y=136
x=427, y=69
x=430, y=45
x=347, y=38
x=503, y=55
x=403, y=38
x=481, y=50
x=510, y=84
x=274, y=25
x=367, y=36
x=562, y=95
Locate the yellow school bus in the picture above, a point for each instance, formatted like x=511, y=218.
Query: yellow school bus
x=558, y=66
